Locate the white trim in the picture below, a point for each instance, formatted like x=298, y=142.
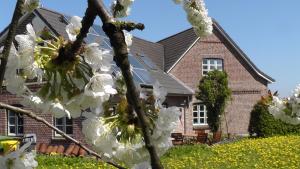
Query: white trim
x=64, y=125
x=235, y=47
x=198, y=111
x=215, y=65
x=16, y=125
x=239, y=52
x=183, y=54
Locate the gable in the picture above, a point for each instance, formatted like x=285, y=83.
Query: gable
x=241, y=76
x=175, y=50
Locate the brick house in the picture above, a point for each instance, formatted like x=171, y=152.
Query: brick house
x=177, y=63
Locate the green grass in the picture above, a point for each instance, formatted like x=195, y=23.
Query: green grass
x=274, y=152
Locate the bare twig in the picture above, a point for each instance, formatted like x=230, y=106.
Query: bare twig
x=9, y=39
x=117, y=40
x=33, y=115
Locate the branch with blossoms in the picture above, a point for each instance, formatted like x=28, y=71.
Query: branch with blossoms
x=9, y=39
x=34, y=116
x=76, y=80
x=287, y=110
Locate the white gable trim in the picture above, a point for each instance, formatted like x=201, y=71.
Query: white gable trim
x=243, y=56
x=183, y=54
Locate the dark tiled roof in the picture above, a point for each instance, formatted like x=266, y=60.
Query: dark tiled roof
x=176, y=45
x=154, y=51
x=172, y=86
x=54, y=20
x=21, y=28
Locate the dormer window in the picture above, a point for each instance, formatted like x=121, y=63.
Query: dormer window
x=211, y=64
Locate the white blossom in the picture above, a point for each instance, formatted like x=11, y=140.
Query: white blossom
x=16, y=84
x=92, y=54
x=73, y=28
x=19, y=159
x=33, y=101
x=279, y=108
x=58, y=110
x=100, y=85
x=107, y=59
x=99, y=135
x=97, y=58
x=30, y=5
x=159, y=94
x=32, y=71
x=26, y=47
x=198, y=17
x=296, y=92
x=128, y=38
x=125, y=5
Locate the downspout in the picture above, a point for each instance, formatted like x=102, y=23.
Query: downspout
x=184, y=114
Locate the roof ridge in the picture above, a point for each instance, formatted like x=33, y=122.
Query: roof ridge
x=50, y=10
x=174, y=35
x=148, y=41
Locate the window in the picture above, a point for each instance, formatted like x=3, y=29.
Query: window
x=64, y=124
x=199, y=114
x=211, y=64
x=15, y=123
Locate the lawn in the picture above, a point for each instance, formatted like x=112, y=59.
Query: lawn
x=275, y=152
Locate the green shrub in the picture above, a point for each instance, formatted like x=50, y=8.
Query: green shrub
x=213, y=91
x=264, y=124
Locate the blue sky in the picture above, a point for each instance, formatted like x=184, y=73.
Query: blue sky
x=268, y=31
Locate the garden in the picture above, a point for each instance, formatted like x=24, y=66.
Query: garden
x=125, y=123
x=272, y=152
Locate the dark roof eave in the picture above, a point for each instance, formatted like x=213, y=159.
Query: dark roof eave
x=180, y=94
x=242, y=54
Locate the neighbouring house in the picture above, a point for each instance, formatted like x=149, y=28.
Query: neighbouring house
x=177, y=62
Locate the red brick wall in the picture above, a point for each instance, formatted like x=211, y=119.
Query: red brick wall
x=247, y=87
x=44, y=133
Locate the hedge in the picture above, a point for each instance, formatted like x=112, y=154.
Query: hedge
x=263, y=124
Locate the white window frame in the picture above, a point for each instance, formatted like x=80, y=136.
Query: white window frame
x=212, y=62
x=64, y=125
x=198, y=112
x=16, y=125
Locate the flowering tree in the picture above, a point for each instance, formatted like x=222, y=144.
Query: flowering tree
x=287, y=110
x=76, y=80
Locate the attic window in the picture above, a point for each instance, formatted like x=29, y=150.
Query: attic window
x=211, y=64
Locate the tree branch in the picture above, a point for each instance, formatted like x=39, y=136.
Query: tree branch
x=117, y=40
x=87, y=22
x=9, y=39
x=130, y=26
x=33, y=115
